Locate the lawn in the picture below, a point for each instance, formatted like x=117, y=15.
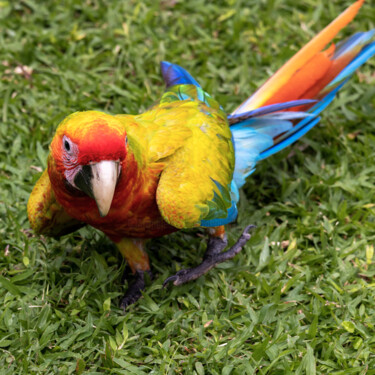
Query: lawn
x=299, y=298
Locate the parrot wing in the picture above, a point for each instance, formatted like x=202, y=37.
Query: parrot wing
x=45, y=214
x=195, y=187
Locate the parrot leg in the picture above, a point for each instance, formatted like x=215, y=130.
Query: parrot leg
x=213, y=256
x=134, y=253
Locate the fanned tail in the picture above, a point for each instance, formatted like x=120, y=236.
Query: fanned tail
x=306, y=68
x=311, y=75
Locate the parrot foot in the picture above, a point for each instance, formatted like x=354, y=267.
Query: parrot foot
x=212, y=257
x=134, y=292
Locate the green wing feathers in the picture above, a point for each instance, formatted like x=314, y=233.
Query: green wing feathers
x=46, y=215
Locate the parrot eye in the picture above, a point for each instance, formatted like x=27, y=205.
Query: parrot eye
x=67, y=145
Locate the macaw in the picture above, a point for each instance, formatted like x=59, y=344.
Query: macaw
x=180, y=164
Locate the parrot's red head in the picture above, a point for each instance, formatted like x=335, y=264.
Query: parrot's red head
x=88, y=150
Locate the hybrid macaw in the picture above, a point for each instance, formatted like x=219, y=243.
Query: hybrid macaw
x=180, y=164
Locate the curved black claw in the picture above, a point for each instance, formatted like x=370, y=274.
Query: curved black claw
x=134, y=292
x=178, y=278
x=212, y=257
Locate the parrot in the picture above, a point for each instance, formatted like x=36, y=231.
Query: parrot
x=180, y=164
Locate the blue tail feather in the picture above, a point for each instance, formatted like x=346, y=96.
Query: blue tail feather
x=366, y=53
x=240, y=117
x=357, y=39
x=288, y=141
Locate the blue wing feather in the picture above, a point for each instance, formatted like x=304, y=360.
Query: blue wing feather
x=175, y=75
x=231, y=212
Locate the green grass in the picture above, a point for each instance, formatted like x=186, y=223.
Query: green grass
x=299, y=299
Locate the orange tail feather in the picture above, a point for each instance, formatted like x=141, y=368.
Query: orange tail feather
x=309, y=66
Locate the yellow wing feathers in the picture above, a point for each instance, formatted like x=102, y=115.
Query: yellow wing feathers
x=203, y=157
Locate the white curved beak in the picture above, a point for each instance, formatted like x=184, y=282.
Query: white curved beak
x=103, y=184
